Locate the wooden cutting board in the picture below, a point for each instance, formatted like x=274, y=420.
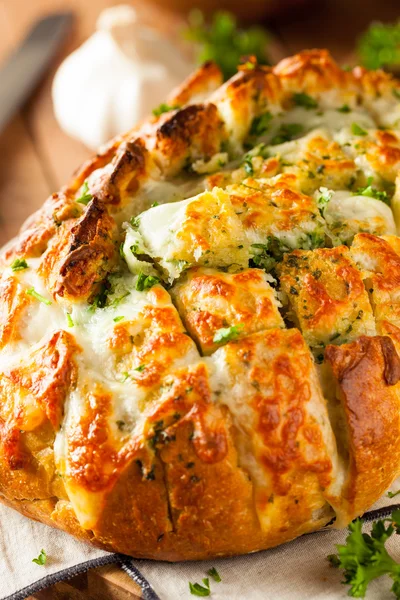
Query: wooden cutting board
x=36, y=157
x=104, y=583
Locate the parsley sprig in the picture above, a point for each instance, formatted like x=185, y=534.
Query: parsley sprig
x=364, y=557
x=379, y=46
x=223, y=42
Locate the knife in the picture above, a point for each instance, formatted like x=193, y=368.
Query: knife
x=23, y=70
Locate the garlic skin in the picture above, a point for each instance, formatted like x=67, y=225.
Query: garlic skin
x=115, y=78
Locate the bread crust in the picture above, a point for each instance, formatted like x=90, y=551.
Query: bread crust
x=127, y=431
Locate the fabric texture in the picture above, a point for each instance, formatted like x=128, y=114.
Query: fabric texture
x=298, y=570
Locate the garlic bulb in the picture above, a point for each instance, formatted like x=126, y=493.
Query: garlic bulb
x=115, y=78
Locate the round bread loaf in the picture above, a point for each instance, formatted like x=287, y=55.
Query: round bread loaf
x=199, y=334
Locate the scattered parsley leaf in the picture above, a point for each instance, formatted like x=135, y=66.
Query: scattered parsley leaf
x=357, y=130
x=145, y=282
x=344, y=109
x=198, y=590
x=364, y=557
x=286, y=133
x=41, y=559
x=85, y=196
x=379, y=46
x=214, y=574
x=225, y=334
x=35, y=294
x=19, y=264
x=140, y=368
x=305, y=101
x=223, y=42
x=163, y=108
x=70, y=320
x=117, y=319
x=393, y=494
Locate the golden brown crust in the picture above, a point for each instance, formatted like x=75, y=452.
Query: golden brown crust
x=365, y=370
x=114, y=425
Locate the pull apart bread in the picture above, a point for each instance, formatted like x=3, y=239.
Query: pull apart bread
x=199, y=335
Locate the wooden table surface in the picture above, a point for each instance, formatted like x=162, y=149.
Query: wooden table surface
x=36, y=157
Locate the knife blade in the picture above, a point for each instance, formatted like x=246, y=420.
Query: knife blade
x=23, y=70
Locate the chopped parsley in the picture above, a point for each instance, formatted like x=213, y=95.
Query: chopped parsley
x=140, y=368
x=135, y=222
x=357, y=130
x=305, y=101
x=344, y=109
x=85, y=196
x=118, y=319
x=163, y=108
x=364, y=557
x=393, y=494
x=19, y=264
x=200, y=590
x=286, y=133
x=372, y=192
x=260, y=124
x=70, y=320
x=226, y=334
x=214, y=574
x=145, y=282
x=41, y=559
x=32, y=292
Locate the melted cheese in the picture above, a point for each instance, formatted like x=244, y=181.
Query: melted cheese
x=347, y=214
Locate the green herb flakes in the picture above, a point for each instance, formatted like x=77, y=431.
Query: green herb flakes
x=199, y=590
x=19, y=264
x=32, y=292
x=260, y=124
x=145, y=282
x=163, y=108
x=357, y=130
x=286, y=133
x=226, y=334
x=214, y=574
x=305, y=101
x=85, y=196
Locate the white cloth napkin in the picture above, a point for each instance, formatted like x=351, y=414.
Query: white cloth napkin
x=295, y=571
